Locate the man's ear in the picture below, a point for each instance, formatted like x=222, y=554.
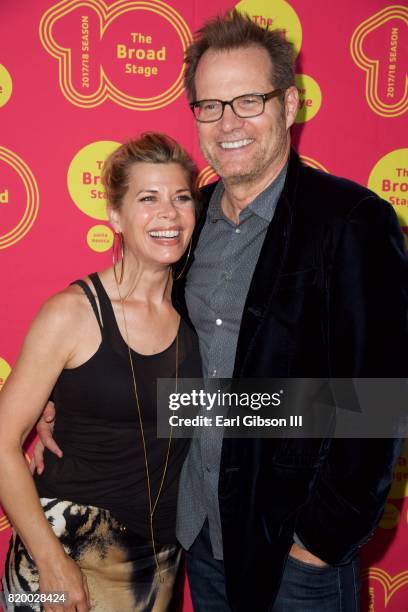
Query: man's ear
x=291, y=105
x=114, y=218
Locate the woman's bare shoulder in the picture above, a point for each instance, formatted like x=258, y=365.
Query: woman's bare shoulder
x=66, y=307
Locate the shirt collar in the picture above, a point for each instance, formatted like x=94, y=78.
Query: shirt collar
x=265, y=203
x=214, y=207
x=263, y=206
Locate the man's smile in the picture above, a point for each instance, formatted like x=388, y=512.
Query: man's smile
x=236, y=144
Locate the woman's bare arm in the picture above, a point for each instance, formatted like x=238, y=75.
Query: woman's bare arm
x=50, y=344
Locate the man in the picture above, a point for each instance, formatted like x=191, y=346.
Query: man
x=294, y=274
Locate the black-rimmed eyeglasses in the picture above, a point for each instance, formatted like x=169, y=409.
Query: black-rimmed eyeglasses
x=246, y=106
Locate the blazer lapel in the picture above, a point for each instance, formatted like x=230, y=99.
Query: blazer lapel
x=270, y=263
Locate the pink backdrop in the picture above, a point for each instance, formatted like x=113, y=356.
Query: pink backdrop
x=77, y=76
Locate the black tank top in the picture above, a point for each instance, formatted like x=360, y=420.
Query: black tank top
x=97, y=427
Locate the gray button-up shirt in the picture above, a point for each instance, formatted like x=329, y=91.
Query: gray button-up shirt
x=216, y=289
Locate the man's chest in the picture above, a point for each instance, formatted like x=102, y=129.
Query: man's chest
x=224, y=262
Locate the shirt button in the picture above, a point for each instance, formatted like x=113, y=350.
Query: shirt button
x=208, y=468
x=237, y=230
x=213, y=372
x=218, y=322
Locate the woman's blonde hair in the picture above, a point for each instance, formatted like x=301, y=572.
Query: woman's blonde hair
x=151, y=148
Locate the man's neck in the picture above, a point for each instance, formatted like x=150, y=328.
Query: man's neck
x=238, y=196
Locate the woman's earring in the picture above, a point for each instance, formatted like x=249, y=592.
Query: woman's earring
x=118, y=245
x=176, y=278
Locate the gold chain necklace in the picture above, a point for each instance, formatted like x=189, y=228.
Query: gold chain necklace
x=152, y=506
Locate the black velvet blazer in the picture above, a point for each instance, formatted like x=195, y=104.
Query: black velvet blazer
x=328, y=298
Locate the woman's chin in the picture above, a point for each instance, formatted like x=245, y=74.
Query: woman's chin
x=167, y=259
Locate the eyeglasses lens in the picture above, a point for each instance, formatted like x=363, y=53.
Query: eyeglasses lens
x=243, y=106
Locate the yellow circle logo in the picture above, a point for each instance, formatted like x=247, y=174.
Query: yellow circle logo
x=309, y=161
x=6, y=86
x=277, y=15
x=84, y=178
x=377, y=47
x=389, y=178
x=4, y=371
x=390, y=518
x=19, y=198
x=310, y=97
x=399, y=488
x=386, y=586
x=4, y=522
x=127, y=48
x=206, y=176
x=100, y=238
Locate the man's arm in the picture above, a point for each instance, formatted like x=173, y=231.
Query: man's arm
x=45, y=428
x=368, y=338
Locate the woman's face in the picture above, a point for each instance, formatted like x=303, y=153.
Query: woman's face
x=157, y=215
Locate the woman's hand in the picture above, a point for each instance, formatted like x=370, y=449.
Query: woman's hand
x=64, y=576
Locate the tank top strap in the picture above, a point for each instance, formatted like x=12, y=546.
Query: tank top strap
x=85, y=287
x=108, y=316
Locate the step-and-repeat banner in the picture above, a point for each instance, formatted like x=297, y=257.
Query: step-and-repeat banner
x=77, y=77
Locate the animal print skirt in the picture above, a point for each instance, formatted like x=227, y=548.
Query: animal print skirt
x=119, y=566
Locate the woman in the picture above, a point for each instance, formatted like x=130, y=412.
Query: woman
x=99, y=346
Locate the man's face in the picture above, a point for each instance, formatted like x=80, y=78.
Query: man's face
x=243, y=150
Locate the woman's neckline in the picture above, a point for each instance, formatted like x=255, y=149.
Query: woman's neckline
x=117, y=329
